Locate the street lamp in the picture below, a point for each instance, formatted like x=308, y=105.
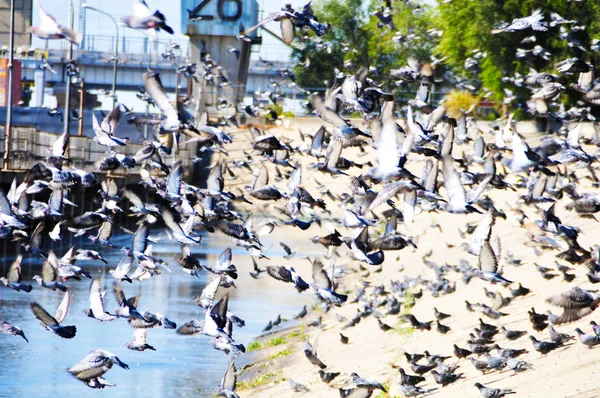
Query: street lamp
x=9, y=105
x=114, y=84
x=67, y=114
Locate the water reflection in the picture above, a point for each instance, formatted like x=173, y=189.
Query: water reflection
x=181, y=366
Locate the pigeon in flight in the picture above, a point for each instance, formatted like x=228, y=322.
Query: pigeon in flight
x=93, y=366
x=576, y=303
x=144, y=19
x=49, y=29
x=53, y=323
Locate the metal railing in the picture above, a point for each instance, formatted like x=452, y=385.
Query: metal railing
x=29, y=146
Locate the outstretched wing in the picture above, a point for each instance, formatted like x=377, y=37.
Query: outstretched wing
x=320, y=275
x=42, y=315
x=280, y=273
x=63, y=308
x=487, y=259
x=230, y=378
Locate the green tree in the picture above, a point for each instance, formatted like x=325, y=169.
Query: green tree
x=467, y=27
x=355, y=40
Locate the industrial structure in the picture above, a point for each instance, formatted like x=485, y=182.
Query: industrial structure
x=213, y=28
x=23, y=12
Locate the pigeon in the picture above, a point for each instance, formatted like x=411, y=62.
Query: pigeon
x=366, y=383
x=543, y=347
x=409, y=380
x=588, y=340
x=228, y=383
x=97, y=303
x=297, y=387
x=445, y=378
x=310, y=351
x=288, y=275
x=138, y=342
x=327, y=377
x=518, y=365
x=51, y=30
x=93, y=366
x=53, y=323
x=487, y=392
x=13, y=278
x=577, y=303
x=7, y=328
x=144, y=19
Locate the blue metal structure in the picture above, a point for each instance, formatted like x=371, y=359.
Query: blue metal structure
x=217, y=17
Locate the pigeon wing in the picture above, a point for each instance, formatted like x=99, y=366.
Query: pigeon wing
x=119, y=294
x=280, y=273
x=455, y=189
x=576, y=298
x=487, y=259
x=218, y=312
x=190, y=328
x=140, y=238
x=320, y=275
x=49, y=270
x=334, y=151
x=14, y=273
x=42, y=315
x=96, y=302
x=210, y=291
x=63, y=308
x=230, y=378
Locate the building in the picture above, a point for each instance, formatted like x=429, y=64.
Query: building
x=23, y=12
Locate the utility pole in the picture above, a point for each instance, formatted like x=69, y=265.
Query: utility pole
x=82, y=22
x=9, y=105
x=67, y=113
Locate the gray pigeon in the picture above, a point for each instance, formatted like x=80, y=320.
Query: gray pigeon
x=487, y=392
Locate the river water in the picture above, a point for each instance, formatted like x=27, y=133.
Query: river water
x=180, y=366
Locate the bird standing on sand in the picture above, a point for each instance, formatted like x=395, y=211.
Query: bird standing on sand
x=588, y=340
x=487, y=392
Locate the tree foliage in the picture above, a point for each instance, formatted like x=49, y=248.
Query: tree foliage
x=467, y=27
x=356, y=39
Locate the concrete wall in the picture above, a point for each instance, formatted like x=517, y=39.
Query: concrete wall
x=23, y=10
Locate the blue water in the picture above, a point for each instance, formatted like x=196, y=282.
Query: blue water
x=181, y=366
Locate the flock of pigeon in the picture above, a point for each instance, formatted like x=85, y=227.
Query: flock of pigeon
x=547, y=174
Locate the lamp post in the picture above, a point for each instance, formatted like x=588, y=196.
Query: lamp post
x=67, y=114
x=116, y=57
x=9, y=105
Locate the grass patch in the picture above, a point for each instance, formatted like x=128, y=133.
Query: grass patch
x=381, y=394
x=260, y=381
x=303, y=335
x=401, y=329
x=257, y=345
x=409, y=300
x=283, y=353
x=293, y=334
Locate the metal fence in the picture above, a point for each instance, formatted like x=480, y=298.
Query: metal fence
x=29, y=146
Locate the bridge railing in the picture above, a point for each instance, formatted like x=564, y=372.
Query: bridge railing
x=29, y=146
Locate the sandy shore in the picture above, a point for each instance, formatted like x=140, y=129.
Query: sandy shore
x=375, y=354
